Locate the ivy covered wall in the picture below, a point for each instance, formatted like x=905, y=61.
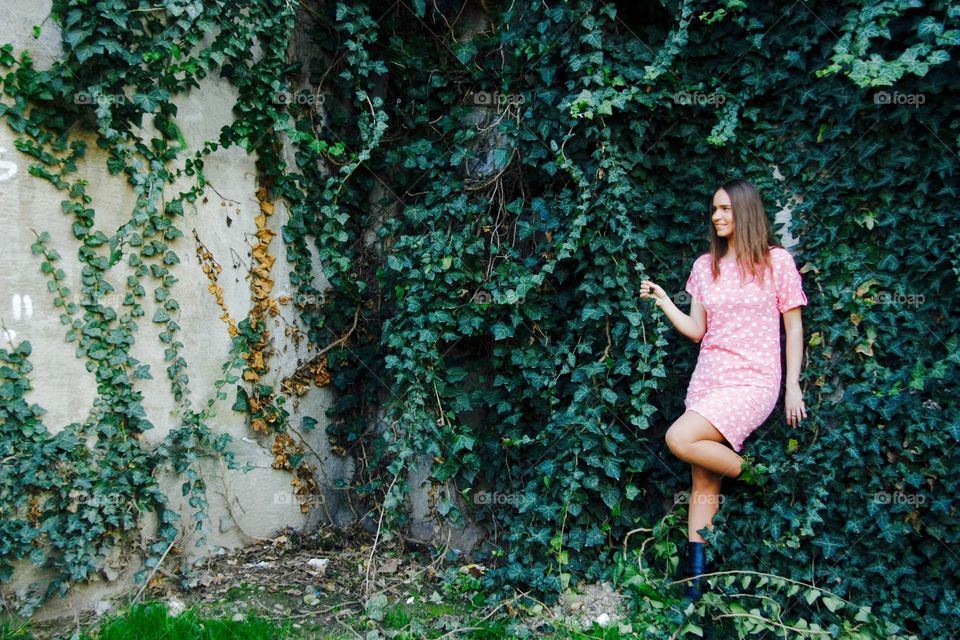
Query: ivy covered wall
x=145, y=295
x=519, y=168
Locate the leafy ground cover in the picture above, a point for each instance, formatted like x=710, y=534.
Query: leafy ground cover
x=339, y=584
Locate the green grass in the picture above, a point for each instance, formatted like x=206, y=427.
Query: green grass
x=239, y=591
x=13, y=631
x=152, y=622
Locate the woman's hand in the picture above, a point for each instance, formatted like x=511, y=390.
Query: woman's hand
x=793, y=405
x=694, y=326
x=655, y=291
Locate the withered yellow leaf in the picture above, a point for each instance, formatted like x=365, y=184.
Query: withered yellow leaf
x=865, y=287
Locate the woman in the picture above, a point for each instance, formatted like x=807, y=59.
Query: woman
x=738, y=292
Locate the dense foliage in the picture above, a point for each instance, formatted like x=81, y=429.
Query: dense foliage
x=524, y=168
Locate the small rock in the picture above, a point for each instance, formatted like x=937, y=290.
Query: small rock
x=390, y=565
x=175, y=607
x=237, y=617
x=204, y=579
x=317, y=566
x=589, y=604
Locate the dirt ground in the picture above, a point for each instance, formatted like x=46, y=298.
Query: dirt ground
x=324, y=583
x=317, y=582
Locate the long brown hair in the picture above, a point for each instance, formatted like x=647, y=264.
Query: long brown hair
x=752, y=234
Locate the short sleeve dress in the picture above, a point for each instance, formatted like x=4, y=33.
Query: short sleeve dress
x=736, y=382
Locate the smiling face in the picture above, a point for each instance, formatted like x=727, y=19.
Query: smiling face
x=722, y=216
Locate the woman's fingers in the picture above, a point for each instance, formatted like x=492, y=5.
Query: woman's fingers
x=648, y=286
x=795, y=413
x=653, y=291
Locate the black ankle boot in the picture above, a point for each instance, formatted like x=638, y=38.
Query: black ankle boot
x=696, y=565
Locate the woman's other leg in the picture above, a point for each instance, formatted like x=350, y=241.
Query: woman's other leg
x=704, y=501
x=693, y=439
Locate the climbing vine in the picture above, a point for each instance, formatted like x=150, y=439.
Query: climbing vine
x=538, y=168
x=67, y=505
x=483, y=188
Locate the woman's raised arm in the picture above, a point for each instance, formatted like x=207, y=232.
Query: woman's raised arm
x=693, y=326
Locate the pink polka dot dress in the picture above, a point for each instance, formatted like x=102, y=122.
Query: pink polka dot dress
x=736, y=382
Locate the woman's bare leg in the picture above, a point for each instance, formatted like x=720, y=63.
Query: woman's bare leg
x=693, y=439
x=704, y=501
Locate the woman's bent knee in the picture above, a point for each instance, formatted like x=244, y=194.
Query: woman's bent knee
x=689, y=428
x=677, y=440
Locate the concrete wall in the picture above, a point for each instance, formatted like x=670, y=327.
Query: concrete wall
x=243, y=506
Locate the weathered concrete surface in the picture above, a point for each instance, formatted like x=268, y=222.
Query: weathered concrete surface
x=243, y=506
